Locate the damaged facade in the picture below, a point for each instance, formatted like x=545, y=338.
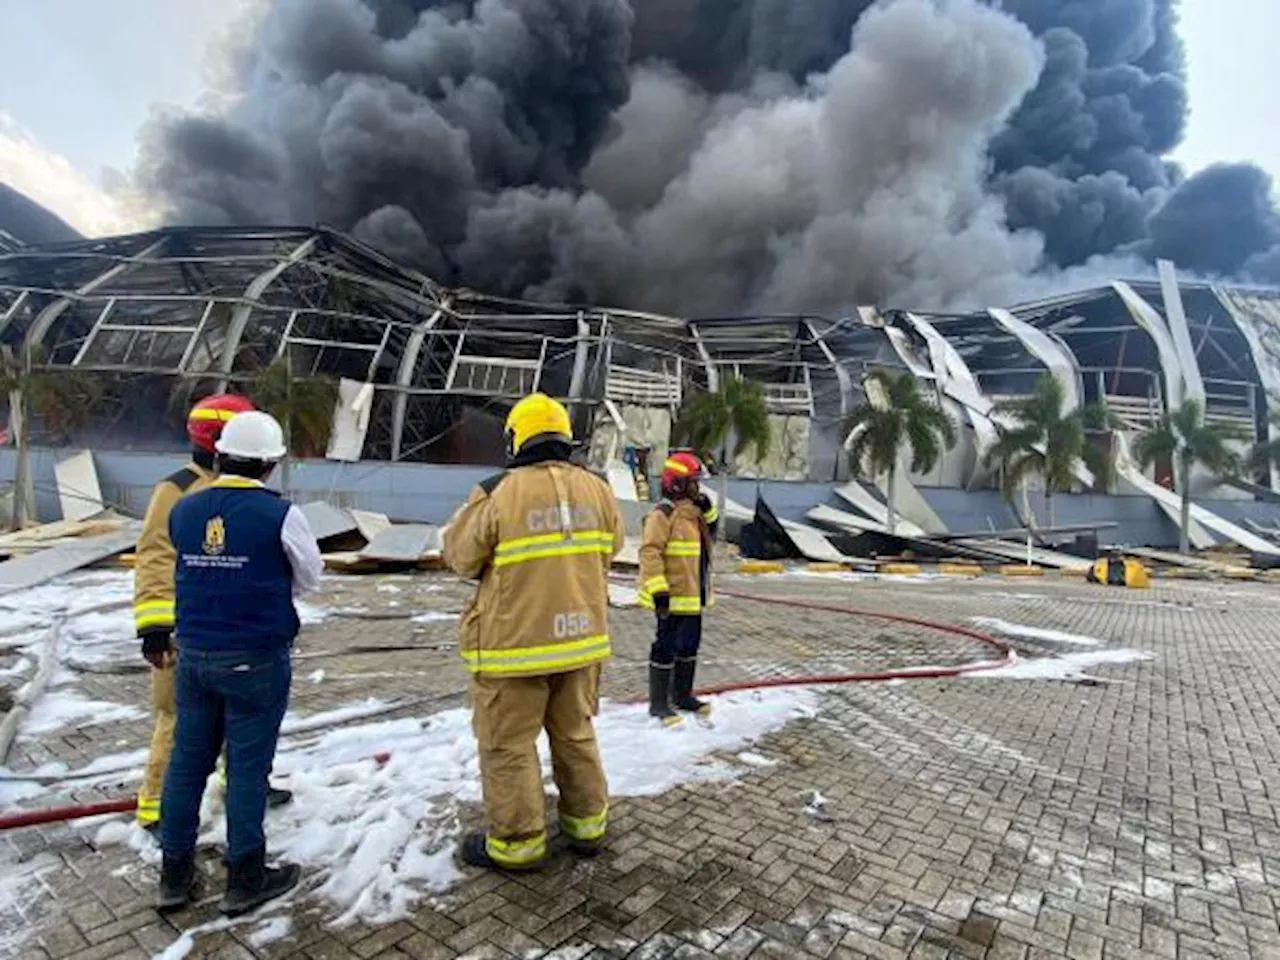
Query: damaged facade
x=427, y=373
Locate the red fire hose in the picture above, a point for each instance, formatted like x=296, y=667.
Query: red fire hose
x=12, y=821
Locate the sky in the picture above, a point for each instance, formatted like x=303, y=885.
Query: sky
x=78, y=78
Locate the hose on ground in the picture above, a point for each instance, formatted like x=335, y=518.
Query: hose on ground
x=15, y=820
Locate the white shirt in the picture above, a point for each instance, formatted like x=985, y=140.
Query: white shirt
x=302, y=550
x=296, y=538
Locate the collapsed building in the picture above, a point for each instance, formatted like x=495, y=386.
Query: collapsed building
x=426, y=373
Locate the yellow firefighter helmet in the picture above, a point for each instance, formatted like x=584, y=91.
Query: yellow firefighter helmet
x=537, y=417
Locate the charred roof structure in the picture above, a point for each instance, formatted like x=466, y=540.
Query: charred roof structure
x=427, y=372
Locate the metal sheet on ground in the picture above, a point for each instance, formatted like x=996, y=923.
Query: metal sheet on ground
x=29, y=571
x=845, y=521
x=860, y=498
x=1182, y=560
x=369, y=524
x=328, y=521
x=1018, y=553
x=815, y=546
x=404, y=543
x=848, y=523
x=78, y=489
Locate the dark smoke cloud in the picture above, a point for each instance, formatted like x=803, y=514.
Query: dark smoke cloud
x=1217, y=221
x=704, y=156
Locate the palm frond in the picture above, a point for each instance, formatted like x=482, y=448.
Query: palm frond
x=909, y=417
x=303, y=405
x=1160, y=442
x=738, y=407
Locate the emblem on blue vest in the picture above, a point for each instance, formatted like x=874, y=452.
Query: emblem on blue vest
x=215, y=537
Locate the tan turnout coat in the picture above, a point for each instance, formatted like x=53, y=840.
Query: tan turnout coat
x=540, y=539
x=676, y=536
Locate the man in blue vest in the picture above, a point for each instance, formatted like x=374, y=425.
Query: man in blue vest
x=242, y=553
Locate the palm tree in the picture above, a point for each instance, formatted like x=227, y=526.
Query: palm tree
x=1047, y=441
x=1184, y=439
x=898, y=415
x=303, y=405
x=734, y=416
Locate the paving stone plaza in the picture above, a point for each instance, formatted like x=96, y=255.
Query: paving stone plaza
x=1128, y=810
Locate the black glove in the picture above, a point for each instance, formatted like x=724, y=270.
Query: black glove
x=156, y=648
x=662, y=605
x=703, y=502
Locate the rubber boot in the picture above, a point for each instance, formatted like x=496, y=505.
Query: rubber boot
x=682, y=688
x=277, y=797
x=177, y=882
x=660, y=694
x=251, y=883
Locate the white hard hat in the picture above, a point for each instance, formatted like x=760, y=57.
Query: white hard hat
x=252, y=435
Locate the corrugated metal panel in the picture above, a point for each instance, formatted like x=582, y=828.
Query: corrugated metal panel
x=21, y=573
x=405, y=543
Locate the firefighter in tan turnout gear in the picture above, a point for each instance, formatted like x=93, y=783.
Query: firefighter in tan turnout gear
x=675, y=582
x=153, y=609
x=540, y=538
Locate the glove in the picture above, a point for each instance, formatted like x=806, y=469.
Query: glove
x=703, y=502
x=157, y=649
x=662, y=605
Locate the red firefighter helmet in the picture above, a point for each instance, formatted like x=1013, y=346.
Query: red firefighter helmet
x=680, y=473
x=210, y=415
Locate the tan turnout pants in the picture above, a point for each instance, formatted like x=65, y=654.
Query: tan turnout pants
x=509, y=715
x=164, y=714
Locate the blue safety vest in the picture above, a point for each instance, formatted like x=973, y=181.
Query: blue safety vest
x=232, y=578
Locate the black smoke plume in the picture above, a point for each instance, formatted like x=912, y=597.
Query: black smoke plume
x=701, y=156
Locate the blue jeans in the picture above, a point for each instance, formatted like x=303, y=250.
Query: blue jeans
x=678, y=638
x=239, y=697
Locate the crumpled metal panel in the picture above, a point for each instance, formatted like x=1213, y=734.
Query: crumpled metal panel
x=327, y=520
x=21, y=573
x=404, y=543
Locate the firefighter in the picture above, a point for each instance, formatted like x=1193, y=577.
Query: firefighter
x=675, y=582
x=153, y=591
x=242, y=553
x=540, y=538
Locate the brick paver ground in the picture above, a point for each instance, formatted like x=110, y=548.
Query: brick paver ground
x=964, y=818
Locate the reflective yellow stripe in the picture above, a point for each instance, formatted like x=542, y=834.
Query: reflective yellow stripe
x=567, y=550
x=678, y=604
x=553, y=657
x=516, y=853
x=656, y=585
x=204, y=413
x=586, y=828
x=148, y=809
x=519, y=543
x=711, y=516
x=682, y=548
x=153, y=613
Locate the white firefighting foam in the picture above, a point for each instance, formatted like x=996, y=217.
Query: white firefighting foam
x=374, y=839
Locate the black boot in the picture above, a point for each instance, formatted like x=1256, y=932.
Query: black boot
x=251, y=883
x=474, y=852
x=177, y=882
x=277, y=797
x=682, y=688
x=660, y=694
